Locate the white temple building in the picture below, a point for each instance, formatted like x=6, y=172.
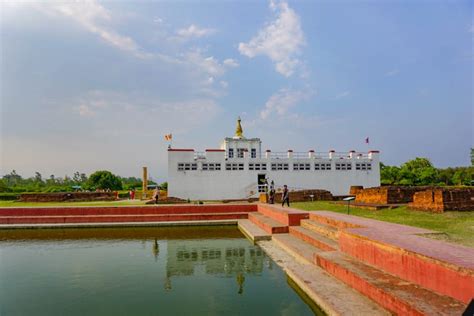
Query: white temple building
x=237, y=169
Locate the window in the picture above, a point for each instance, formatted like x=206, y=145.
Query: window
x=322, y=166
x=234, y=166
x=231, y=152
x=187, y=166
x=253, y=153
x=240, y=152
x=301, y=166
x=211, y=166
x=363, y=166
x=257, y=166
x=279, y=166
x=343, y=166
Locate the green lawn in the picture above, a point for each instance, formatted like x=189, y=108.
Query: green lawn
x=457, y=227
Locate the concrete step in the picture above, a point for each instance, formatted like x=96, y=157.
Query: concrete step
x=396, y=295
x=325, y=220
x=313, y=238
x=268, y=224
x=128, y=210
x=252, y=231
x=286, y=216
x=118, y=218
x=296, y=247
x=322, y=229
x=332, y=295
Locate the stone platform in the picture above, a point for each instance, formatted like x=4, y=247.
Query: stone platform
x=123, y=214
x=393, y=265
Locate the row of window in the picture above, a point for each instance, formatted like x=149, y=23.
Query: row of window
x=274, y=166
x=240, y=152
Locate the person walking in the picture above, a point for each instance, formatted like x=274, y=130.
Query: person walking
x=285, y=196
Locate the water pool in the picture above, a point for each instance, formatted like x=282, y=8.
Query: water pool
x=136, y=271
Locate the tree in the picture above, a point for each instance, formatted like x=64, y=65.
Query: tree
x=164, y=186
x=103, y=180
x=463, y=176
x=419, y=171
x=38, y=177
x=389, y=174
x=472, y=156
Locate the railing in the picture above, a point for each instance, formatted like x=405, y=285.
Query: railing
x=298, y=155
x=317, y=155
x=199, y=155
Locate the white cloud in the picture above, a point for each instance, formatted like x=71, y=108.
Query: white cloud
x=231, y=62
x=209, y=65
x=392, y=72
x=224, y=84
x=282, y=101
x=85, y=110
x=194, y=31
x=342, y=95
x=280, y=40
x=125, y=110
x=94, y=18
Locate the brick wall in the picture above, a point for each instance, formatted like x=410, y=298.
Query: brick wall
x=355, y=189
x=438, y=200
x=67, y=197
x=305, y=195
x=387, y=195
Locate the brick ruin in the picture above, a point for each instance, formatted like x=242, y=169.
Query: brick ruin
x=438, y=200
x=67, y=197
x=355, y=189
x=386, y=194
x=305, y=195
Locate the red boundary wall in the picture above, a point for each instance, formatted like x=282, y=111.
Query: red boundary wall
x=429, y=273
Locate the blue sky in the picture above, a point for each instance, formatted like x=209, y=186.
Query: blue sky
x=95, y=85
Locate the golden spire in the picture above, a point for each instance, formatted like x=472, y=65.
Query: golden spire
x=238, y=130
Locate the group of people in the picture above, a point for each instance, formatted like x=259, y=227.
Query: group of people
x=155, y=196
x=271, y=192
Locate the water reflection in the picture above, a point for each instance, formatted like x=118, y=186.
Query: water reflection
x=140, y=271
x=185, y=258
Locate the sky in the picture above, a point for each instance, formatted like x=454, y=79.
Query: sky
x=92, y=85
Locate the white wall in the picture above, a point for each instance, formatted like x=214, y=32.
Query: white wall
x=238, y=184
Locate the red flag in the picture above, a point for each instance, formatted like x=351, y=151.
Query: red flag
x=367, y=140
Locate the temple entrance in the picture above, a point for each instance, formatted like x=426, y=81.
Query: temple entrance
x=261, y=182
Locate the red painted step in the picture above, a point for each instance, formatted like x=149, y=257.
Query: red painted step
x=128, y=210
x=393, y=293
x=268, y=224
x=313, y=238
x=327, y=231
x=119, y=218
x=286, y=216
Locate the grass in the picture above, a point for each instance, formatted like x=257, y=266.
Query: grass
x=457, y=227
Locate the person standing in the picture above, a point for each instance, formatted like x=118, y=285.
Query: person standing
x=156, y=195
x=272, y=192
x=285, y=197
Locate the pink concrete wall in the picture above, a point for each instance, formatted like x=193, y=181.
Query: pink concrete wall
x=421, y=270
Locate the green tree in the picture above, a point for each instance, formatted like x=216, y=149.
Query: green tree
x=419, y=171
x=164, y=186
x=472, y=156
x=463, y=176
x=104, y=180
x=389, y=175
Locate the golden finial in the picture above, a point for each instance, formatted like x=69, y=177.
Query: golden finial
x=238, y=131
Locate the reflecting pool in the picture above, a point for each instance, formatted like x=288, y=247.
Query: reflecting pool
x=137, y=271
